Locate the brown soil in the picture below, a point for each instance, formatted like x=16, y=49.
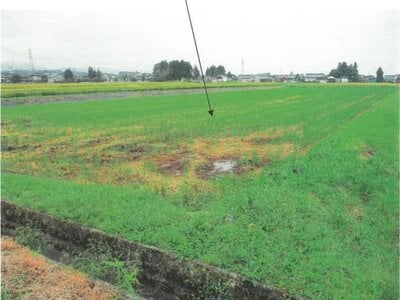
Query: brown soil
x=367, y=153
x=262, y=140
x=14, y=148
x=31, y=276
x=172, y=164
x=134, y=151
x=203, y=171
x=97, y=141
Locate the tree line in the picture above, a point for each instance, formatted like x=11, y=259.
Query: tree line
x=93, y=75
x=351, y=72
x=345, y=70
x=180, y=69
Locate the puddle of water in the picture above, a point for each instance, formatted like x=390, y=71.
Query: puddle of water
x=223, y=166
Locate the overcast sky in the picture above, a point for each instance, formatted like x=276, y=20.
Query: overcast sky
x=276, y=39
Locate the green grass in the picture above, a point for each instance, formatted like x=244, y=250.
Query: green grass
x=320, y=221
x=44, y=89
x=5, y=293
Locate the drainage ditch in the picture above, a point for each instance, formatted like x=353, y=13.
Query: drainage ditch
x=162, y=275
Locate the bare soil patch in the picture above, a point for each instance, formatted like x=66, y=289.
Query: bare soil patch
x=367, y=152
x=10, y=148
x=134, y=150
x=97, y=141
x=172, y=165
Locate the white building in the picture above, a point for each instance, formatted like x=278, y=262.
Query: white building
x=55, y=78
x=315, y=77
x=247, y=78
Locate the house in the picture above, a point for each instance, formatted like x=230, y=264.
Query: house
x=220, y=78
x=315, y=77
x=291, y=78
x=247, y=78
x=390, y=78
x=331, y=79
x=280, y=77
x=361, y=78
x=344, y=79
x=129, y=76
x=35, y=78
x=55, y=77
x=370, y=78
x=263, y=77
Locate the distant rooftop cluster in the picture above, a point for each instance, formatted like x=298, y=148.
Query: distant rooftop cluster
x=311, y=77
x=58, y=76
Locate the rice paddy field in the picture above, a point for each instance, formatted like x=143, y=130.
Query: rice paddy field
x=43, y=89
x=310, y=204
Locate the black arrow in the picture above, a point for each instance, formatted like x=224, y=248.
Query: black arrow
x=211, y=111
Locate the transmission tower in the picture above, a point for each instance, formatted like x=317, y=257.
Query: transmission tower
x=31, y=66
x=242, y=70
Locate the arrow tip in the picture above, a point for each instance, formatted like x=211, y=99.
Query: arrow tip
x=211, y=112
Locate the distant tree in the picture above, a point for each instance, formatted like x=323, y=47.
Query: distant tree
x=379, y=75
x=221, y=70
x=196, y=72
x=16, y=78
x=335, y=73
x=179, y=69
x=94, y=75
x=345, y=70
x=187, y=69
x=99, y=75
x=352, y=72
x=68, y=75
x=91, y=73
x=173, y=70
x=355, y=75
x=160, y=71
x=212, y=71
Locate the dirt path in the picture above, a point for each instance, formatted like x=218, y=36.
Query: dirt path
x=117, y=95
x=26, y=275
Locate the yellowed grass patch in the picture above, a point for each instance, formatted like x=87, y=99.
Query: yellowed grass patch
x=100, y=157
x=35, y=277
